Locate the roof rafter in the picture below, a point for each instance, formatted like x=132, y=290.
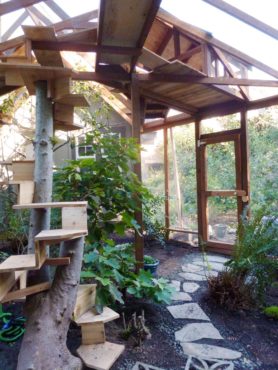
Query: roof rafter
x=11, y=6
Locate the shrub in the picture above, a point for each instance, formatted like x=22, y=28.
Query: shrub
x=272, y=311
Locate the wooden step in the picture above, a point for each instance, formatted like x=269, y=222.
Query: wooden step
x=58, y=235
x=66, y=126
x=92, y=316
x=51, y=205
x=75, y=100
x=100, y=356
x=19, y=262
x=86, y=297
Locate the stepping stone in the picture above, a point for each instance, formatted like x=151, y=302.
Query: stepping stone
x=181, y=296
x=196, y=331
x=211, y=265
x=192, y=276
x=200, y=363
x=190, y=287
x=207, y=273
x=176, y=285
x=208, y=351
x=191, y=268
x=212, y=258
x=188, y=311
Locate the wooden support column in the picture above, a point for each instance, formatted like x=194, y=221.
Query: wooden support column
x=166, y=182
x=201, y=163
x=245, y=159
x=137, y=120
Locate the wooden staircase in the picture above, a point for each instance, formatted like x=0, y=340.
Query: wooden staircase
x=95, y=351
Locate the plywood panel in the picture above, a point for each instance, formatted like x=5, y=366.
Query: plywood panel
x=23, y=170
x=74, y=218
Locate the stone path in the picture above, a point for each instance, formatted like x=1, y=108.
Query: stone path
x=200, y=355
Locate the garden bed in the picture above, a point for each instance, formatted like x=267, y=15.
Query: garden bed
x=251, y=333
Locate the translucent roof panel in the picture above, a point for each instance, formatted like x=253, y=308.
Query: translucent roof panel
x=230, y=30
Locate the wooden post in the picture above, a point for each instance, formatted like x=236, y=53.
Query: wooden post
x=245, y=158
x=166, y=182
x=176, y=180
x=201, y=184
x=137, y=118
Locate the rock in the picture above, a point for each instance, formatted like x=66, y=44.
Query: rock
x=192, y=276
x=196, y=331
x=218, y=266
x=176, y=285
x=190, y=287
x=188, y=311
x=216, y=258
x=189, y=267
x=208, y=351
x=181, y=296
x=207, y=273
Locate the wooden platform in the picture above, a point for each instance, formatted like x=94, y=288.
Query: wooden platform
x=92, y=316
x=59, y=235
x=19, y=262
x=100, y=356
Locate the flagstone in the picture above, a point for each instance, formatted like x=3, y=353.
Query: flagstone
x=189, y=267
x=181, y=296
x=176, y=285
x=190, y=287
x=208, y=351
x=214, y=258
x=196, y=331
x=218, y=266
x=188, y=311
x=192, y=276
x=207, y=273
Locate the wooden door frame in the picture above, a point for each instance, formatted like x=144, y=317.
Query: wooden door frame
x=239, y=137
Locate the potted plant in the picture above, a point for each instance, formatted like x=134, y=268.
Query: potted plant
x=150, y=264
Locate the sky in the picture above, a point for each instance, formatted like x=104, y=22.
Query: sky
x=203, y=15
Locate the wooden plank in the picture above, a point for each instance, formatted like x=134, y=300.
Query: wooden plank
x=57, y=9
x=52, y=205
x=245, y=152
x=34, y=289
x=93, y=333
x=100, y=356
x=59, y=234
x=66, y=126
x=86, y=297
x=74, y=218
x=166, y=181
x=14, y=78
x=92, y=316
x=244, y=17
x=40, y=254
x=14, y=26
x=7, y=281
x=207, y=37
x=179, y=230
x=25, y=191
x=18, y=262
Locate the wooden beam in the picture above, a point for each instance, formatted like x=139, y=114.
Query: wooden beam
x=34, y=289
x=245, y=166
x=35, y=12
x=225, y=193
x=189, y=53
x=83, y=47
x=175, y=78
x=73, y=21
x=177, y=48
x=137, y=118
x=12, y=5
x=244, y=17
x=14, y=26
x=207, y=37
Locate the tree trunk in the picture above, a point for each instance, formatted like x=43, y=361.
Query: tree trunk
x=49, y=314
x=44, y=342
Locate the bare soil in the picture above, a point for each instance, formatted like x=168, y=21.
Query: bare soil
x=250, y=332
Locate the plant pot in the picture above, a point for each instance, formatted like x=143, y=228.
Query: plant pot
x=220, y=230
x=152, y=267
